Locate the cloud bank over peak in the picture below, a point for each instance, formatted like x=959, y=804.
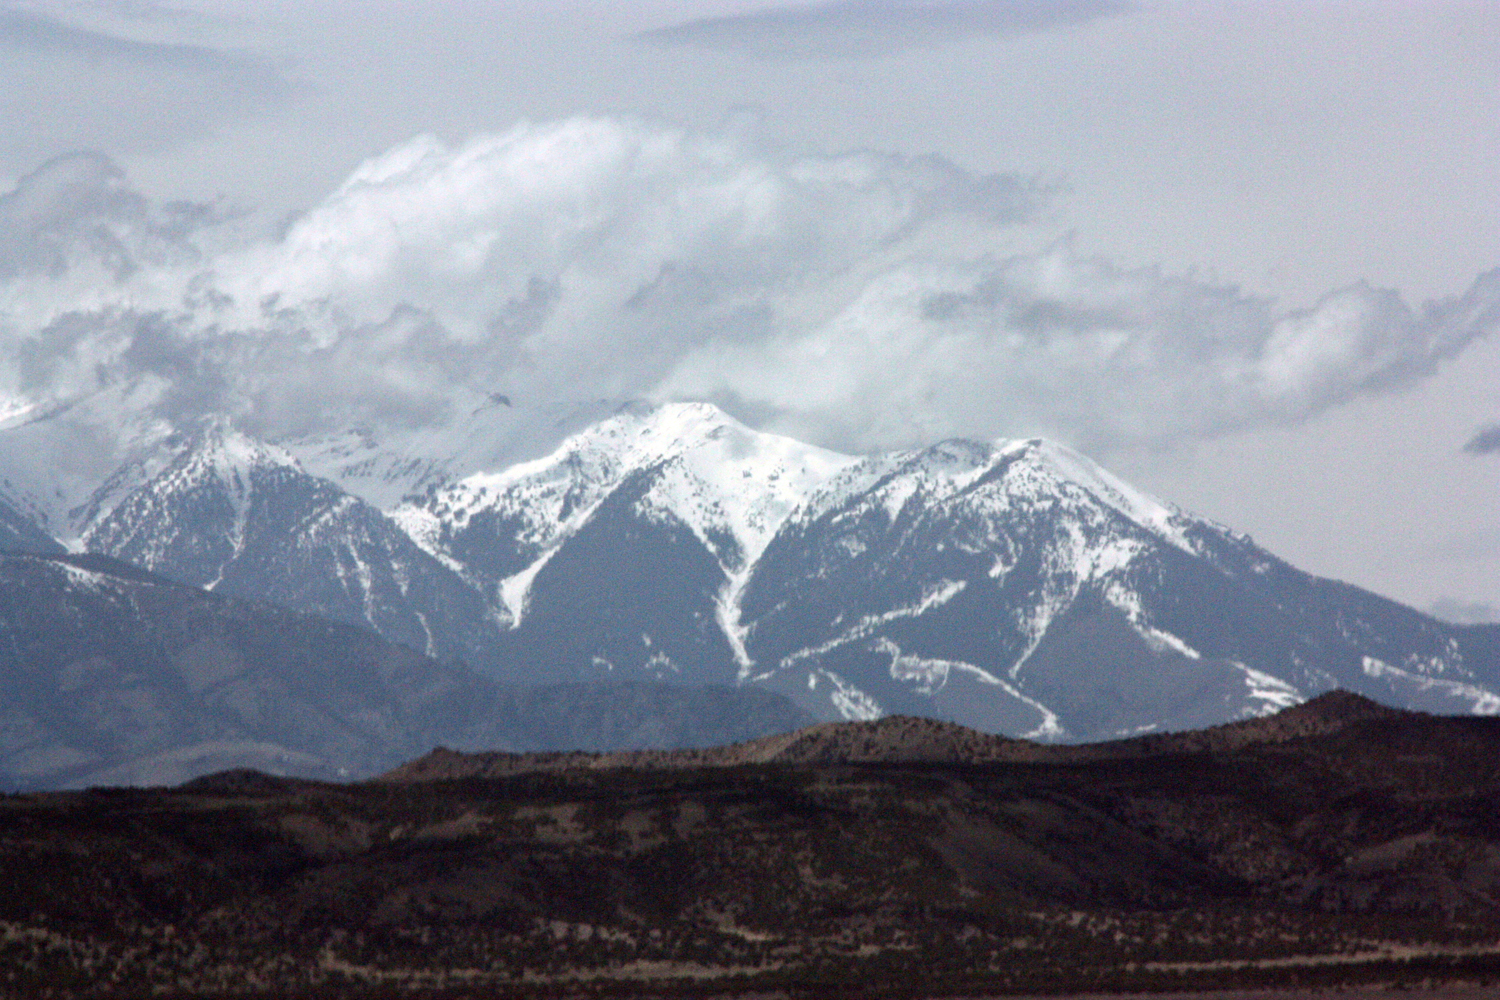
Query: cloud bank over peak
x=601, y=258
x=1076, y=348
x=644, y=210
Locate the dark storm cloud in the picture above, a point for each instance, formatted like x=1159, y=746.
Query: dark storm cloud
x=1486, y=441
x=861, y=29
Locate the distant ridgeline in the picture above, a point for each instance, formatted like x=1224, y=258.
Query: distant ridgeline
x=1013, y=587
x=114, y=675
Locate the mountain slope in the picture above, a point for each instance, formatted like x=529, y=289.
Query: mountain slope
x=19, y=533
x=240, y=517
x=616, y=552
x=1019, y=588
x=731, y=487
x=113, y=675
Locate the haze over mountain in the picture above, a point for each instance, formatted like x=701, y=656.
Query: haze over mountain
x=112, y=675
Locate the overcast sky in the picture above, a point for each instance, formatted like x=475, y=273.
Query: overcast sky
x=1244, y=254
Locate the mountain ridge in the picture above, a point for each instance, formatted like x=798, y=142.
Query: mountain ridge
x=1014, y=586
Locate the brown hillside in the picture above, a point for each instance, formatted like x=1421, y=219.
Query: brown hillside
x=904, y=739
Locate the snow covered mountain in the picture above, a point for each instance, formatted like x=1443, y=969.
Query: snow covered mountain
x=1012, y=586
x=1016, y=587
x=242, y=518
x=1019, y=587
x=621, y=550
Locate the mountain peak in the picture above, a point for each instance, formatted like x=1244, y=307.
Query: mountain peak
x=1157, y=516
x=217, y=443
x=649, y=432
x=707, y=470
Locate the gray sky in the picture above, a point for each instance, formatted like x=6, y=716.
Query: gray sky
x=1194, y=239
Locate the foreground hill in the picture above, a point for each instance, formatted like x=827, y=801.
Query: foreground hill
x=1337, y=844
x=905, y=739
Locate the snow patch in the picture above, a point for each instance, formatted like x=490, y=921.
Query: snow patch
x=926, y=676
x=424, y=530
x=1033, y=625
x=1160, y=640
x=1157, y=516
x=1430, y=665
x=431, y=647
x=852, y=544
x=727, y=614
x=1050, y=728
x=1484, y=701
x=710, y=472
x=933, y=597
x=810, y=652
x=1273, y=693
x=12, y=409
x=894, y=496
x=852, y=703
x=1150, y=727
x=1096, y=562
x=932, y=675
x=661, y=665
x=85, y=579
x=238, y=491
x=516, y=588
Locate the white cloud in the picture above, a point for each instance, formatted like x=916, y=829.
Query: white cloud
x=578, y=258
x=1053, y=343
x=595, y=258
x=77, y=212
